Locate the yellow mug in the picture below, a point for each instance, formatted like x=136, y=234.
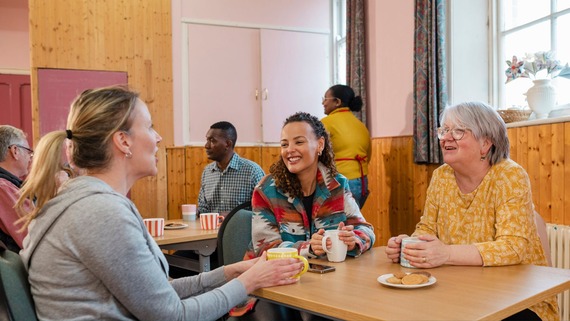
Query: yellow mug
x=288, y=252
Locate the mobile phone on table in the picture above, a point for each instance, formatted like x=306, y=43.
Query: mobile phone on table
x=320, y=268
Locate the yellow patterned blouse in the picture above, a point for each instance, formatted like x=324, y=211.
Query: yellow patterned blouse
x=497, y=217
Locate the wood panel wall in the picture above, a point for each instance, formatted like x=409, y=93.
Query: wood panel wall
x=544, y=151
x=112, y=35
x=398, y=185
x=185, y=166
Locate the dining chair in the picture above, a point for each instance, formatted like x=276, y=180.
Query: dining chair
x=541, y=228
x=16, y=300
x=234, y=235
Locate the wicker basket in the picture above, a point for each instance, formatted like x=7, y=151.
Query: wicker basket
x=513, y=115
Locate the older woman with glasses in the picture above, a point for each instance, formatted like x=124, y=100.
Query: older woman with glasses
x=479, y=208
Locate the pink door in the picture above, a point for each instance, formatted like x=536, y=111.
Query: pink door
x=16, y=103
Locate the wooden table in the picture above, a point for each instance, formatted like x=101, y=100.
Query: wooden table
x=193, y=238
x=352, y=292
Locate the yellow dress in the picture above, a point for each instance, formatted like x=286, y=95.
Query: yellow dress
x=497, y=217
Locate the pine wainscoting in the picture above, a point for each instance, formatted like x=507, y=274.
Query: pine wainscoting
x=398, y=185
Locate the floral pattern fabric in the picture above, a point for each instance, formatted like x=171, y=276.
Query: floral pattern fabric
x=497, y=217
x=356, y=52
x=430, y=81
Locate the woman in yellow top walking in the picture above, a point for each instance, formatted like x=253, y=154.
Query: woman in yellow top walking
x=479, y=208
x=349, y=137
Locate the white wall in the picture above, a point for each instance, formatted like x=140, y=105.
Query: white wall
x=302, y=14
x=468, y=51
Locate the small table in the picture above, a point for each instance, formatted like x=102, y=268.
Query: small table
x=193, y=238
x=352, y=292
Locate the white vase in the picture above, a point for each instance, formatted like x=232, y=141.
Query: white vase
x=541, y=97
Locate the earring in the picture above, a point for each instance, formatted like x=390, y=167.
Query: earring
x=320, y=152
x=483, y=157
x=129, y=154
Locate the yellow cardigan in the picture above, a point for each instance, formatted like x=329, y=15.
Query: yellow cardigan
x=349, y=138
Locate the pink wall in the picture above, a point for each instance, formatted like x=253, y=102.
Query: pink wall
x=390, y=51
x=389, y=48
x=14, y=35
x=290, y=13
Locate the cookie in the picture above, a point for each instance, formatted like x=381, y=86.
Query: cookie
x=414, y=279
x=423, y=273
x=400, y=274
x=394, y=280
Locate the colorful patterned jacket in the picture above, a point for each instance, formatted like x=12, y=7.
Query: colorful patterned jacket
x=281, y=221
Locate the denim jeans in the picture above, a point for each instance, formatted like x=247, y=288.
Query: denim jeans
x=356, y=190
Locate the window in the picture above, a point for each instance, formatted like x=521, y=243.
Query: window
x=529, y=26
x=339, y=41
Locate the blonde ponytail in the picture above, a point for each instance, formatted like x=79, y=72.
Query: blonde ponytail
x=40, y=186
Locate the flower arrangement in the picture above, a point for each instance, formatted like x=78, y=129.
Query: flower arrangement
x=532, y=64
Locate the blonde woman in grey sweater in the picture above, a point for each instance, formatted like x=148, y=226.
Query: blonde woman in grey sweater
x=87, y=251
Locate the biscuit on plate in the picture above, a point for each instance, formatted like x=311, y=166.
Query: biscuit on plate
x=414, y=279
x=426, y=273
x=400, y=274
x=394, y=280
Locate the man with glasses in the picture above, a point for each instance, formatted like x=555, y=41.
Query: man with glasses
x=15, y=162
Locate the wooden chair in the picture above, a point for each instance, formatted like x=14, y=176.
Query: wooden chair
x=541, y=228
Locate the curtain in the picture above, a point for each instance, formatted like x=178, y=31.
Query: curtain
x=430, y=81
x=356, y=52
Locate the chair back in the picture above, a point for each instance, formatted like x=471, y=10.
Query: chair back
x=234, y=235
x=17, y=303
x=543, y=235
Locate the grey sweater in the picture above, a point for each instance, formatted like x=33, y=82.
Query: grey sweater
x=94, y=260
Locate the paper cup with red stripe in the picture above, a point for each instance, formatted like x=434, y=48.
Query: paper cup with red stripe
x=210, y=221
x=155, y=226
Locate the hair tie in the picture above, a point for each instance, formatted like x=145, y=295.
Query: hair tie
x=69, y=135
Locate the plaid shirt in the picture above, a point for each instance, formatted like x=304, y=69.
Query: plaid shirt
x=222, y=191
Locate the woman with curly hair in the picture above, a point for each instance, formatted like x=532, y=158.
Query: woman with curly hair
x=304, y=195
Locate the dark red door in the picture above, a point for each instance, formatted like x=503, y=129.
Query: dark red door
x=16, y=103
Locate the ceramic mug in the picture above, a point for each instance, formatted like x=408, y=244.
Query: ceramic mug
x=210, y=221
x=286, y=252
x=155, y=226
x=338, y=249
x=407, y=240
x=189, y=212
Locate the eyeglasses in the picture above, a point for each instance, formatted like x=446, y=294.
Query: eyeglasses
x=30, y=151
x=456, y=133
x=327, y=98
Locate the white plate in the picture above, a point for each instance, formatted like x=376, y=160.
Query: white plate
x=382, y=280
x=175, y=226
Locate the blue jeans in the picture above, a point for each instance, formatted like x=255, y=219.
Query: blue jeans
x=356, y=190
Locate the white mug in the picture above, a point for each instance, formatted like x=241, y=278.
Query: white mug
x=337, y=252
x=189, y=212
x=407, y=240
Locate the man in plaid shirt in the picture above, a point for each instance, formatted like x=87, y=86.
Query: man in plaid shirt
x=229, y=180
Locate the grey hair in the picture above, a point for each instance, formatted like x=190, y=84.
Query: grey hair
x=9, y=135
x=484, y=122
